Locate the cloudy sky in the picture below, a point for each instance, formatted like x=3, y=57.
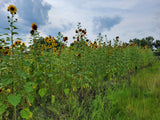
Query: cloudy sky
x=127, y=19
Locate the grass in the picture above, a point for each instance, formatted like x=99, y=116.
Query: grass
x=140, y=101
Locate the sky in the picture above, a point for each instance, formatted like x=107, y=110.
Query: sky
x=127, y=19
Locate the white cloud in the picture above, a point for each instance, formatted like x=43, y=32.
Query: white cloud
x=139, y=18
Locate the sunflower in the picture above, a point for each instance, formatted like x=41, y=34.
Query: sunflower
x=50, y=37
x=49, y=40
x=3, y=41
x=80, y=30
x=54, y=49
x=45, y=39
x=79, y=55
x=32, y=32
x=55, y=44
x=76, y=31
x=34, y=26
x=6, y=53
x=1, y=47
x=19, y=41
x=65, y=38
x=23, y=44
x=7, y=48
x=53, y=38
x=16, y=42
x=1, y=90
x=75, y=42
x=13, y=45
x=49, y=46
x=12, y=9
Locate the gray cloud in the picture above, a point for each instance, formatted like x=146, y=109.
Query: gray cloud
x=103, y=23
x=33, y=11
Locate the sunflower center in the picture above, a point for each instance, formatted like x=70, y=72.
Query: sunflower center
x=1, y=90
x=12, y=8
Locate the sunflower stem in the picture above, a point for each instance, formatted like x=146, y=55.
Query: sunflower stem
x=15, y=114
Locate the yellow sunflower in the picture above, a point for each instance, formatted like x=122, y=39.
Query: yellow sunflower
x=23, y=44
x=49, y=46
x=34, y=26
x=12, y=9
x=49, y=40
x=13, y=45
x=46, y=39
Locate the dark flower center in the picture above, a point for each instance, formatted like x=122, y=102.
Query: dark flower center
x=35, y=27
x=32, y=32
x=1, y=90
x=12, y=8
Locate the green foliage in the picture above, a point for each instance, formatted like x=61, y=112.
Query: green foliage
x=25, y=113
x=14, y=99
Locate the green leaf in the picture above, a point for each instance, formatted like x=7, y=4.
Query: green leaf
x=25, y=113
x=29, y=86
x=19, y=39
x=53, y=99
x=7, y=28
x=50, y=75
x=2, y=108
x=14, y=27
x=8, y=39
x=66, y=91
x=14, y=100
x=22, y=74
x=7, y=80
x=15, y=33
x=5, y=34
x=42, y=92
x=58, y=82
x=31, y=98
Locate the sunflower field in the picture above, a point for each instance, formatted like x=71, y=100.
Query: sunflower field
x=52, y=81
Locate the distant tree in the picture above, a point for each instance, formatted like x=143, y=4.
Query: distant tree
x=144, y=41
x=156, y=44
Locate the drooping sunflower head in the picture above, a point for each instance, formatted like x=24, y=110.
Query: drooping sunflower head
x=65, y=38
x=23, y=44
x=32, y=32
x=12, y=9
x=1, y=90
x=34, y=26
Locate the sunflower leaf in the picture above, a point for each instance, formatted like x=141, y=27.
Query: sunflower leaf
x=5, y=34
x=19, y=39
x=15, y=33
x=66, y=91
x=2, y=108
x=42, y=92
x=25, y=113
x=29, y=86
x=7, y=28
x=14, y=99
